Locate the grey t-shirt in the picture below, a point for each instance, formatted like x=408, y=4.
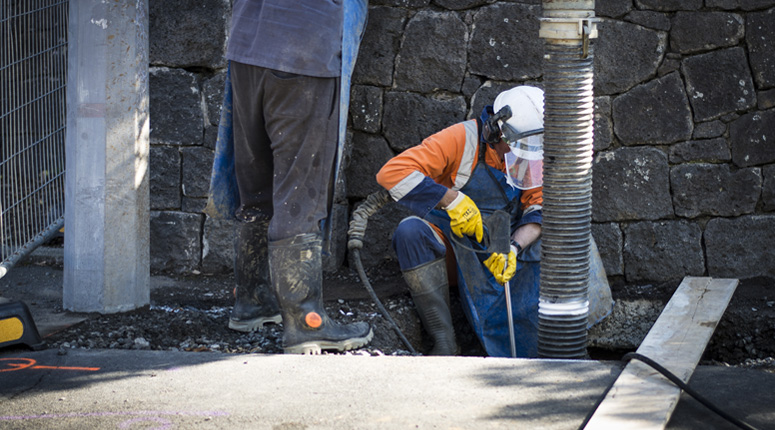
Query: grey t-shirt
x=294, y=36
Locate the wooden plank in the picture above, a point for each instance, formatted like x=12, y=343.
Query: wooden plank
x=641, y=398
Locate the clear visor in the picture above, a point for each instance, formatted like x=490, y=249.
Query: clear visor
x=525, y=161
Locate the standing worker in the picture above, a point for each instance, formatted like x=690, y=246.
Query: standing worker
x=285, y=66
x=453, y=180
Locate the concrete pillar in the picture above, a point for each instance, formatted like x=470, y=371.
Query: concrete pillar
x=107, y=234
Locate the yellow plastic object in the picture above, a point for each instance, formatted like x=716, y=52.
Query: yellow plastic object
x=17, y=326
x=11, y=329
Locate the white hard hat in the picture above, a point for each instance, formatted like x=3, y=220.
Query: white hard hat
x=524, y=132
x=527, y=108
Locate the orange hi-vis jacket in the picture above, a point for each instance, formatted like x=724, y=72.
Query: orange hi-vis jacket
x=419, y=176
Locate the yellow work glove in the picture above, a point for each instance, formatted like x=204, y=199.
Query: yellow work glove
x=500, y=268
x=465, y=217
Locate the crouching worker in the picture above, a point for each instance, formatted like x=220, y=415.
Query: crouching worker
x=453, y=181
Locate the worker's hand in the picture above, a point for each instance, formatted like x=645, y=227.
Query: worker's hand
x=465, y=217
x=501, y=266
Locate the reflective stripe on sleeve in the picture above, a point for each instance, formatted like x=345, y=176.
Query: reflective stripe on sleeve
x=406, y=185
x=468, y=160
x=532, y=208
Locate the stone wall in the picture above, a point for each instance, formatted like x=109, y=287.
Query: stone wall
x=684, y=170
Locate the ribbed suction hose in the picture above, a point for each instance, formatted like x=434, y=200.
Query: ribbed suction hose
x=563, y=306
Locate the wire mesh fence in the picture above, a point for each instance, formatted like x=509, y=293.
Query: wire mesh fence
x=33, y=76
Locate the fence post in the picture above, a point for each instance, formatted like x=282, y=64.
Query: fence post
x=107, y=234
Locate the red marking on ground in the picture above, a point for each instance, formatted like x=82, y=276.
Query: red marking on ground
x=13, y=364
x=88, y=369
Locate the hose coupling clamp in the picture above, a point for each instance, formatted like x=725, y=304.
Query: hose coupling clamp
x=568, y=28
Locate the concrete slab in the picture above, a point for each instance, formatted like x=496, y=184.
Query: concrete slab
x=166, y=389
x=118, y=389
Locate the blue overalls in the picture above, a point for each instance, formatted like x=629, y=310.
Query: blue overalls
x=483, y=299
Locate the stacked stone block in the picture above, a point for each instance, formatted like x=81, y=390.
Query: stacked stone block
x=187, y=45
x=684, y=171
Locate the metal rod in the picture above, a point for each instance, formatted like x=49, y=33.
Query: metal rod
x=510, y=314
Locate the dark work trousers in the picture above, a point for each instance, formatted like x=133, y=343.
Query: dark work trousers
x=285, y=143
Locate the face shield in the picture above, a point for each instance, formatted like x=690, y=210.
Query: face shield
x=525, y=161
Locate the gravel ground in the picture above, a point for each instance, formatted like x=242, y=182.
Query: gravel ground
x=192, y=314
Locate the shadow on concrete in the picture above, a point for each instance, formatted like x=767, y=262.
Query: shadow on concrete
x=562, y=392
x=22, y=370
x=556, y=391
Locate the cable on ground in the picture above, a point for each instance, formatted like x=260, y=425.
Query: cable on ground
x=679, y=383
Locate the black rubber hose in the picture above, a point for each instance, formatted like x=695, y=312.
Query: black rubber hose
x=356, y=233
x=682, y=385
x=382, y=310
x=679, y=383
